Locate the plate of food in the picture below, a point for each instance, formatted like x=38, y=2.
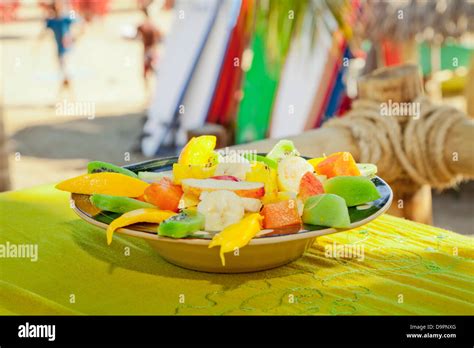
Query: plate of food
x=230, y=211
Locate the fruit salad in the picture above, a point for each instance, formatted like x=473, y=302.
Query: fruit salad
x=232, y=197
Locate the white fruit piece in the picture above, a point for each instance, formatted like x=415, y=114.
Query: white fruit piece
x=220, y=209
x=290, y=171
x=233, y=165
x=252, y=205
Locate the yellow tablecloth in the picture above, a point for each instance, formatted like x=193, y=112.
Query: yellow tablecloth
x=407, y=268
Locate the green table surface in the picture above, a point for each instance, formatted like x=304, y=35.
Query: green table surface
x=408, y=268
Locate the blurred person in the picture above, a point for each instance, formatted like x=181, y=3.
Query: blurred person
x=60, y=25
x=150, y=36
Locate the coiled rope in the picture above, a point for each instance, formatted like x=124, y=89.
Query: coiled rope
x=411, y=145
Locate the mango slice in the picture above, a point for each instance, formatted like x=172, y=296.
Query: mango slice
x=113, y=184
x=237, y=235
x=135, y=216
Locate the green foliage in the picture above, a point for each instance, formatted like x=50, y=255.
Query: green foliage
x=283, y=20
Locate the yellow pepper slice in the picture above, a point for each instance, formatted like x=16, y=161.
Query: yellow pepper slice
x=107, y=183
x=237, y=235
x=199, y=151
x=140, y=215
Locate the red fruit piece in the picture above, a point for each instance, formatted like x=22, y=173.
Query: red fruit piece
x=164, y=194
x=310, y=186
x=280, y=214
x=225, y=177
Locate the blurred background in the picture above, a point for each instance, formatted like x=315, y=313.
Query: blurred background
x=126, y=80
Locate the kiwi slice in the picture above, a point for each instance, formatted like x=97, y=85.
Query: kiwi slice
x=182, y=225
x=118, y=204
x=282, y=149
x=259, y=158
x=99, y=166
